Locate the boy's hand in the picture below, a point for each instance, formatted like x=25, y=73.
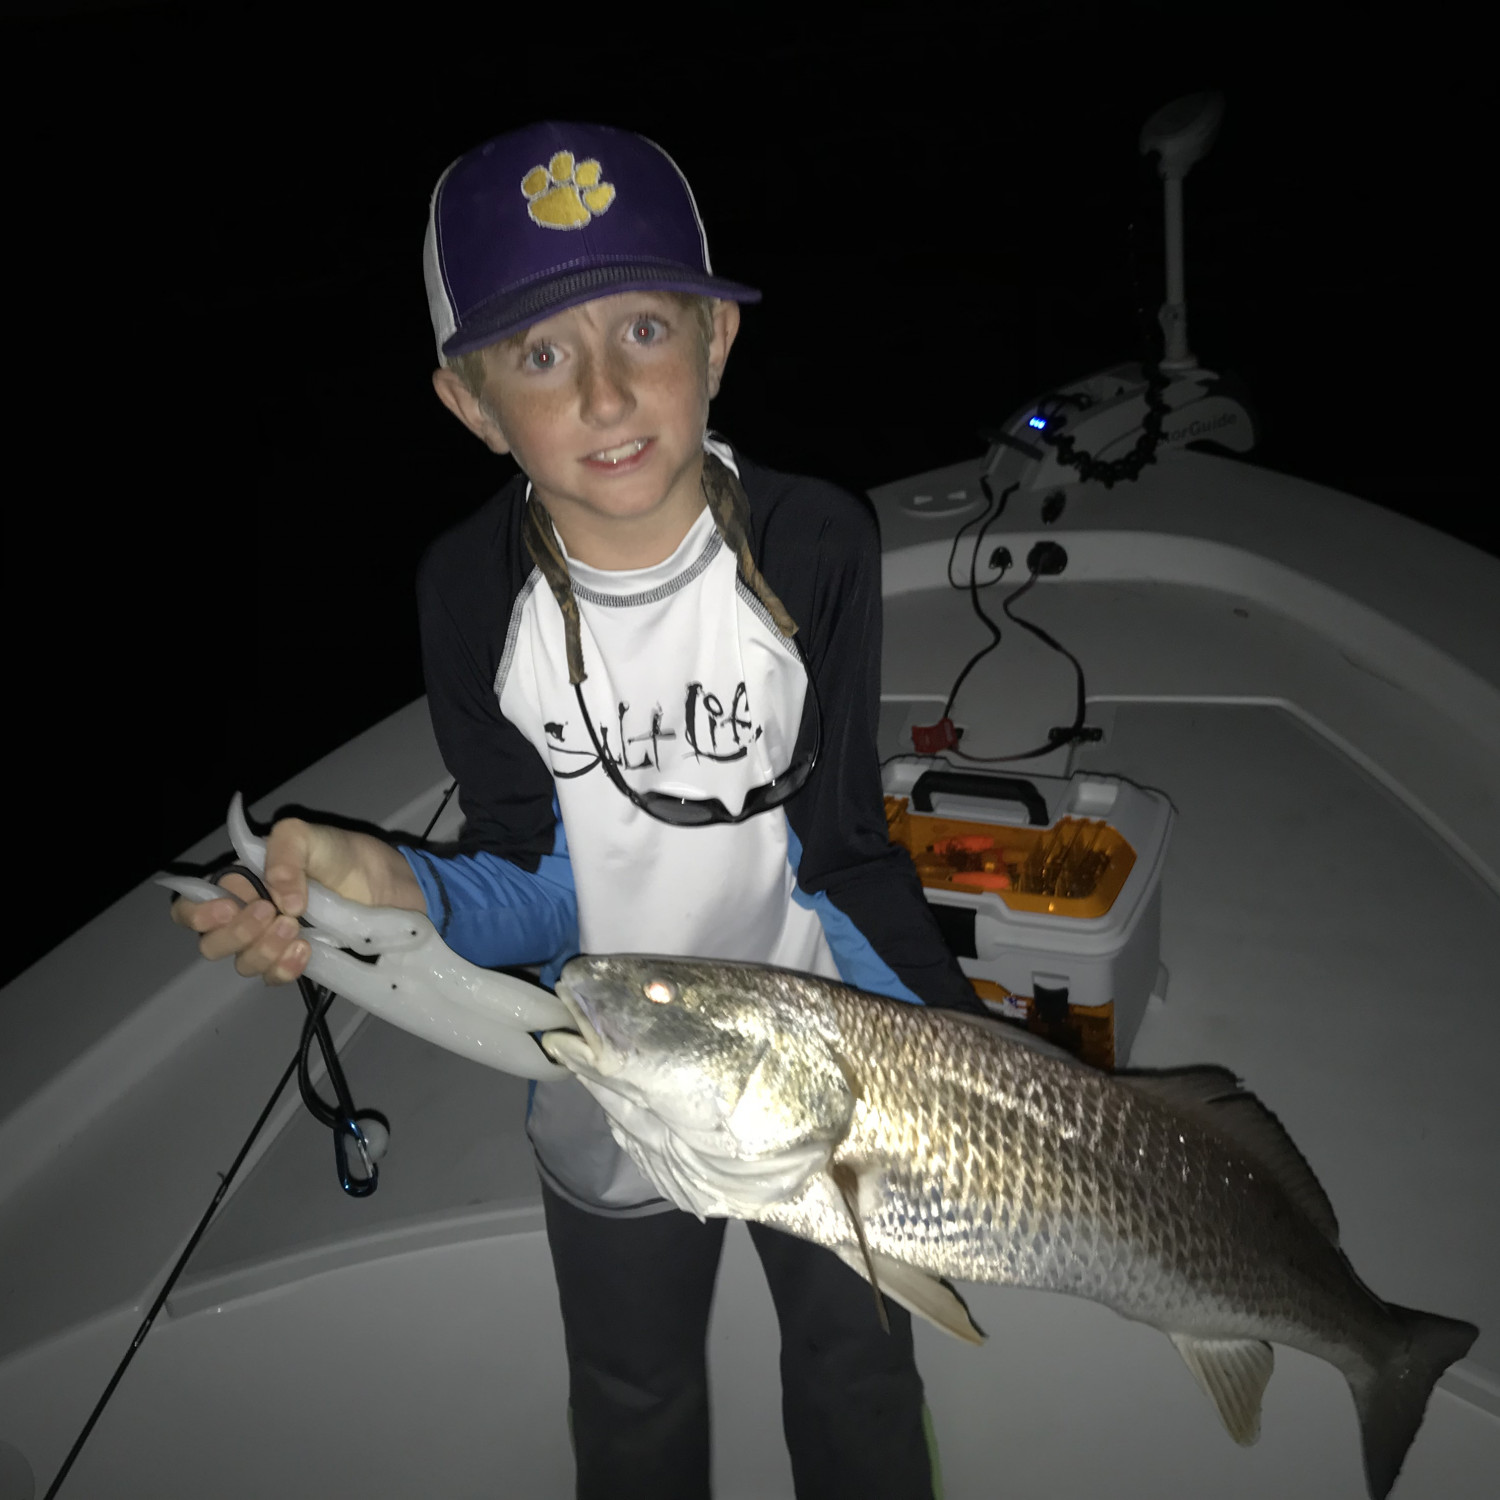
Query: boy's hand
x=354, y=865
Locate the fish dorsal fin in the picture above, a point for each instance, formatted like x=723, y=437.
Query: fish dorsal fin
x=1215, y=1098
x=1233, y=1374
x=918, y=1292
x=846, y=1180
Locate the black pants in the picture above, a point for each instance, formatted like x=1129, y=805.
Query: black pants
x=635, y=1302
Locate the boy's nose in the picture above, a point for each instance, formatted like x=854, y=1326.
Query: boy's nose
x=604, y=394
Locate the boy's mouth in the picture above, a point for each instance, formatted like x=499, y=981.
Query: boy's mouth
x=612, y=458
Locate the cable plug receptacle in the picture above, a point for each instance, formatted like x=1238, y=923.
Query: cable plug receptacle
x=1000, y=558
x=1046, y=559
x=933, y=739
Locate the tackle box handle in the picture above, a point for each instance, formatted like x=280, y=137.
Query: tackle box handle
x=980, y=784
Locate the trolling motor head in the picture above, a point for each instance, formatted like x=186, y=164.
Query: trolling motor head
x=1107, y=427
x=1182, y=132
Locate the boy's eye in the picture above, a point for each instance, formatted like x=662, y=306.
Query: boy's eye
x=540, y=357
x=647, y=330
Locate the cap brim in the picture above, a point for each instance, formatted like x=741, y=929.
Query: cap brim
x=501, y=317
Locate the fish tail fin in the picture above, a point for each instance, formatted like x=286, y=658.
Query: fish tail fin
x=1391, y=1398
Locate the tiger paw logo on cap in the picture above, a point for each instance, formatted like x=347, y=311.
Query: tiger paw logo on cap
x=565, y=194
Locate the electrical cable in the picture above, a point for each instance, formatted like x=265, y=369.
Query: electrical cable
x=1108, y=471
x=992, y=514
x=1077, y=730
x=1058, y=737
x=989, y=515
x=225, y=1179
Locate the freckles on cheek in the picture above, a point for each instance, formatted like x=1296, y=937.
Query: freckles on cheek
x=526, y=421
x=686, y=388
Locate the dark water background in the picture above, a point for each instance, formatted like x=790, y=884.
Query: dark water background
x=225, y=458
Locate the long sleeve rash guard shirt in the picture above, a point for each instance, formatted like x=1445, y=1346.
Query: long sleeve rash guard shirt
x=691, y=690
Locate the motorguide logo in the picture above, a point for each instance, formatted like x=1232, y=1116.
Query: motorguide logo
x=1201, y=427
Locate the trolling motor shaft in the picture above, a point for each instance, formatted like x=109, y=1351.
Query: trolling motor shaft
x=1181, y=134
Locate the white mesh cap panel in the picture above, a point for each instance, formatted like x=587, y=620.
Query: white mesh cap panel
x=439, y=303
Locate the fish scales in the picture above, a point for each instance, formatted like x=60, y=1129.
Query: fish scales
x=982, y=1159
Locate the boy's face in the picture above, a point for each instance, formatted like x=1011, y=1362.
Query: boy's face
x=604, y=406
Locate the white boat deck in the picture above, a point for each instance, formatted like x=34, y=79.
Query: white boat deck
x=1331, y=919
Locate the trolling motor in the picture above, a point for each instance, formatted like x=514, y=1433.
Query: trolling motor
x=1108, y=427
x=1103, y=429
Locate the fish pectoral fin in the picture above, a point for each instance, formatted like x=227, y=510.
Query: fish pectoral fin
x=846, y=1180
x=920, y=1293
x=1233, y=1374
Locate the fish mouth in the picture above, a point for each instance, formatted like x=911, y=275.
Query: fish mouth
x=581, y=1050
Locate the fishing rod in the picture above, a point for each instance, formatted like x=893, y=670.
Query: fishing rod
x=369, y=1129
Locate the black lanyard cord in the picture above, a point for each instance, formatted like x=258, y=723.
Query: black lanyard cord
x=366, y=1129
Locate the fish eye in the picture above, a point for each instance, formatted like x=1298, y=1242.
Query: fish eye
x=660, y=992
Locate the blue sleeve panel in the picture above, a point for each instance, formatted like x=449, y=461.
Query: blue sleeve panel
x=495, y=913
x=858, y=962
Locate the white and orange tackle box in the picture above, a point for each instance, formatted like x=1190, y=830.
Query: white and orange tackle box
x=1047, y=889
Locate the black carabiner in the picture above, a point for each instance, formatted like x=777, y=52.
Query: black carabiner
x=349, y=1128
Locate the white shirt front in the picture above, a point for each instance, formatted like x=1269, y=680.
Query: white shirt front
x=693, y=691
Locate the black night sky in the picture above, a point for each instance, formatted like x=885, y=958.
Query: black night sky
x=225, y=455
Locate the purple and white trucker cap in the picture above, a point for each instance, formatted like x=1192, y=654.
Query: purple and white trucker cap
x=553, y=215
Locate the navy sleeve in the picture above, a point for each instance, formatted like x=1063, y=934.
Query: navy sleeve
x=507, y=897
x=466, y=587
x=819, y=548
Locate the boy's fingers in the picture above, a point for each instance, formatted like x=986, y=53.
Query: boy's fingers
x=264, y=937
x=286, y=966
x=288, y=850
x=291, y=963
x=185, y=912
x=204, y=916
x=262, y=942
x=244, y=929
x=239, y=886
x=279, y=956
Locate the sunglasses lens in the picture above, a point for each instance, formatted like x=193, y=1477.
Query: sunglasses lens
x=693, y=814
x=683, y=814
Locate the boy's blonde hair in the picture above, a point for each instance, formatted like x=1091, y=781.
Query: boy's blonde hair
x=470, y=368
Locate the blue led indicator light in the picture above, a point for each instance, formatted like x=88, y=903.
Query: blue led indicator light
x=1037, y=422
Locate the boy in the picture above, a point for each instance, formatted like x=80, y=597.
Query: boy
x=653, y=668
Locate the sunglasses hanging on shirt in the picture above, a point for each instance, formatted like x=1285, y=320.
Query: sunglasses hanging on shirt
x=695, y=812
x=731, y=512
